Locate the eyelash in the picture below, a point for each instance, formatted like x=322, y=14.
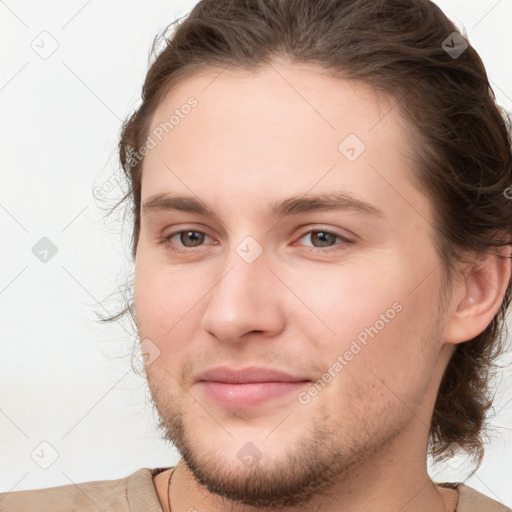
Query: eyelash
x=344, y=241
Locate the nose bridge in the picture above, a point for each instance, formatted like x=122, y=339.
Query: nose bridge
x=242, y=298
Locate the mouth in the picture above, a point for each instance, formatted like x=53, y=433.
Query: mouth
x=249, y=387
x=246, y=396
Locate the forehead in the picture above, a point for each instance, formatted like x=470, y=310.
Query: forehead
x=283, y=128
x=278, y=95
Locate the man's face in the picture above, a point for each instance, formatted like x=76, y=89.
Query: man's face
x=244, y=288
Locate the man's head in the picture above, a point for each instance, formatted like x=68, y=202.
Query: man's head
x=390, y=307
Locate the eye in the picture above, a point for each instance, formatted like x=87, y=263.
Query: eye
x=188, y=238
x=321, y=240
x=325, y=239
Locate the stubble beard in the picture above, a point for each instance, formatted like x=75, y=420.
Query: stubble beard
x=323, y=453
x=305, y=469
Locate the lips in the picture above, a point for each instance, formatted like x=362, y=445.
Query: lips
x=248, y=387
x=247, y=375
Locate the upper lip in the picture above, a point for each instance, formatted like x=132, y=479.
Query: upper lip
x=247, y=375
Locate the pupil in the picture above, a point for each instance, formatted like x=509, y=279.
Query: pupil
x=324, y=237
x=193, y=236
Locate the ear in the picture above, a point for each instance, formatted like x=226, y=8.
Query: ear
x=478, y=295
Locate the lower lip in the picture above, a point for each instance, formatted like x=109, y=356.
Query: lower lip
x=245, y=396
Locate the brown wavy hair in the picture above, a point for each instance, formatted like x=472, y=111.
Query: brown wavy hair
x=460, y=138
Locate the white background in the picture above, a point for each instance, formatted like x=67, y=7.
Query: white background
x=65, y=379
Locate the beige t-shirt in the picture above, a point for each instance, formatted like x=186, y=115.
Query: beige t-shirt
x=136, y=493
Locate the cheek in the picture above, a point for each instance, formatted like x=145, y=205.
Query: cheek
x=370, y=318
x=390, y=361
x=164, y=297
x=346, y=300
x=165, y=313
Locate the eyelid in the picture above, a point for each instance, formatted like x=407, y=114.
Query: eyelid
x=344, y=240
x=345, y=235
x=309, y=229
x=181, y=229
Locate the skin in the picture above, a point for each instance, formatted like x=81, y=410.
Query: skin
x=360, y=443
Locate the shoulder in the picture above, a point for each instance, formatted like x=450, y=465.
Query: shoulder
x=470, y=500
x=121, y=495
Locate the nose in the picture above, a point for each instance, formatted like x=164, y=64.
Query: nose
x=245, y=298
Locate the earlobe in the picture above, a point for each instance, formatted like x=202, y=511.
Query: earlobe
x=479, y=295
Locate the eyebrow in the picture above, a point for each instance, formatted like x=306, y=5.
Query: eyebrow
x=292, y=206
